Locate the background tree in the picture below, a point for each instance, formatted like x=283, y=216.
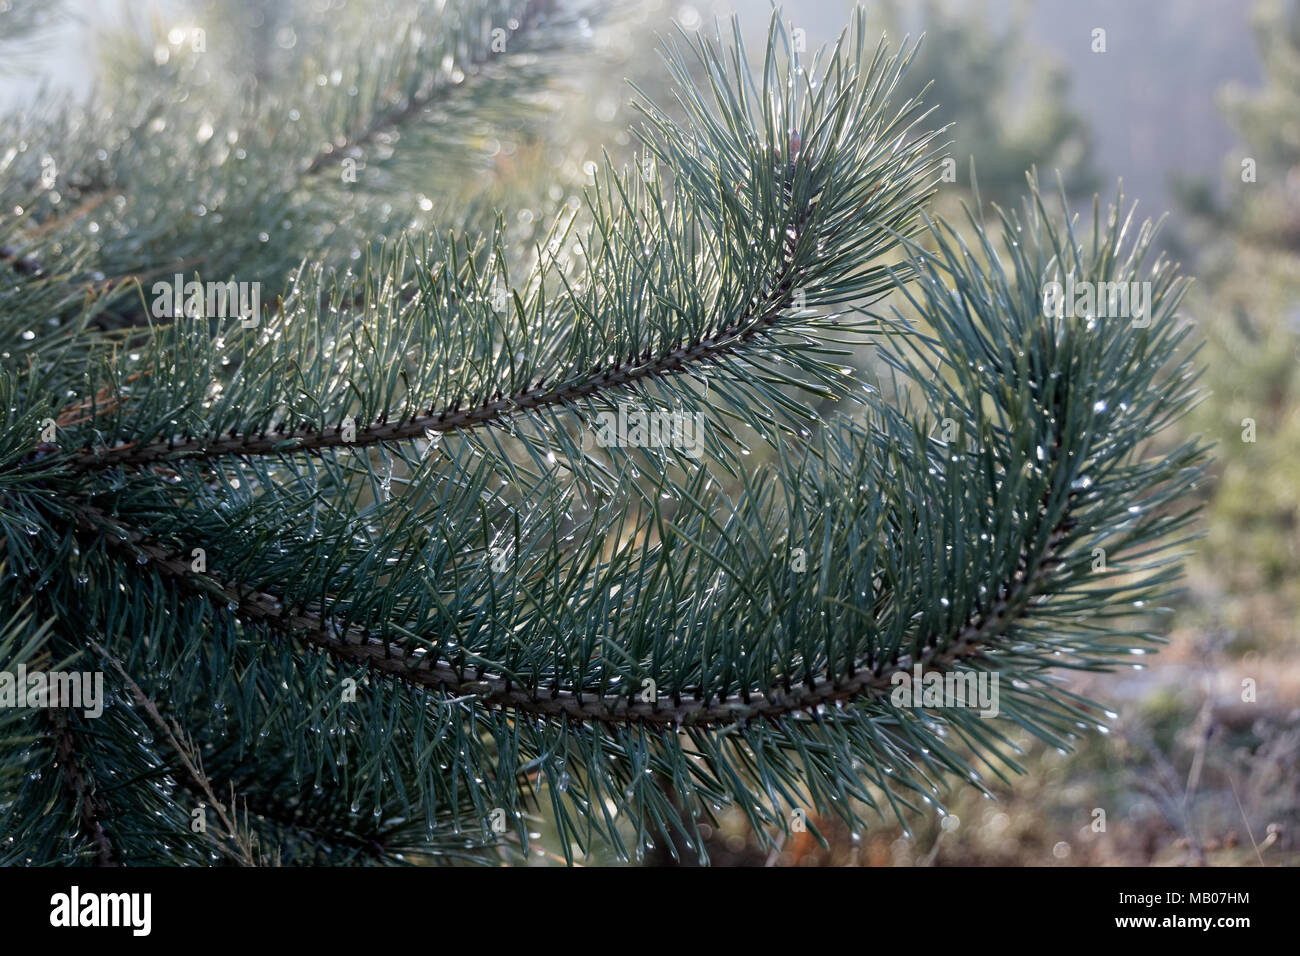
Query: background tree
x=364, y=589
x=1245, y=230
x=1005, y=102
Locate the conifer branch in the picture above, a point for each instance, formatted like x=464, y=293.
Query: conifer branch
x=416, y=104
x=239, y=849
x=507, y=594
x=679, y=360
x=415, y=667
x=76, y=778
x=371, y=843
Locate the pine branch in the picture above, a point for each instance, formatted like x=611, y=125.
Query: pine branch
x=431, y=37
x=91, y=810
x=240, y=847
x=523, y=620
x=807, y=219
x=372, y=842
x=417, y=104
x=621, y=374
x=413, y=666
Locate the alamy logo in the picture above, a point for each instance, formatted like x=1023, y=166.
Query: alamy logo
x=974, y=689
x=1083, y=299
x=76, y=690
x=76, y=909
x=208, y=300
x=636, y=428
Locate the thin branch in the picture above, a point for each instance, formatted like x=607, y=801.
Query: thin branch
x=676, y=361
x=77, y=779
x=389, y=120
x=720, y=342
x=417, y=104
x=414, y=666
x=370, y=843
x=243, y=848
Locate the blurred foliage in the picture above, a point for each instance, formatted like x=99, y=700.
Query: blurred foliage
x=1246, y=235
x=1007, y=102
x=215, y=170
x=25, y=29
